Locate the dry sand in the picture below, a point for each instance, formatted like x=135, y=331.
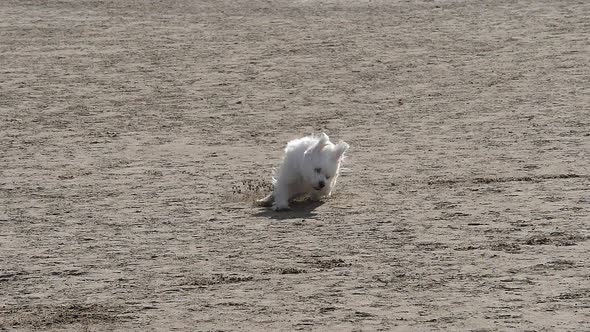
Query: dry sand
x=134, y=136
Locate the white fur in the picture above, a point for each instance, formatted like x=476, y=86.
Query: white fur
x=308, y=163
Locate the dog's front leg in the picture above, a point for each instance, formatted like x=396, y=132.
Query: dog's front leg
x=281, y=197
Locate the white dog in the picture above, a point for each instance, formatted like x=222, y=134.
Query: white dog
x=310, y=166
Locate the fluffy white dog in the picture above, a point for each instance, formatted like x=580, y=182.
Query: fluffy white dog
x=310, y=166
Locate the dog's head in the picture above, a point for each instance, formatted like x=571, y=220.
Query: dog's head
x=322, y=161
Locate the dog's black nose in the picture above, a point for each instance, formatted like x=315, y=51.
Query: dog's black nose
x=322, y=184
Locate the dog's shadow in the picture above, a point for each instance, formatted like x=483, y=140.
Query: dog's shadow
x=298, y=209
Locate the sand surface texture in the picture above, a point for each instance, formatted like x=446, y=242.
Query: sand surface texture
x=135, y=135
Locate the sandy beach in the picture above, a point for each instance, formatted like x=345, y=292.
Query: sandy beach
x=135, y=136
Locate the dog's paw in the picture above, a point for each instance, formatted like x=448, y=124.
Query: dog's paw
x=263, y=203
x=266, y=201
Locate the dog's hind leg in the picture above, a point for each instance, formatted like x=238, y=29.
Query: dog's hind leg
x=266, y=201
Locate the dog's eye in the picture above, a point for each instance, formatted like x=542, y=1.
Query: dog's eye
x=317, y=170
x=327, y=177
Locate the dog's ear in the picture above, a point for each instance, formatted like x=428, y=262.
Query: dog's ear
x=323, y=139
x=339, y=149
